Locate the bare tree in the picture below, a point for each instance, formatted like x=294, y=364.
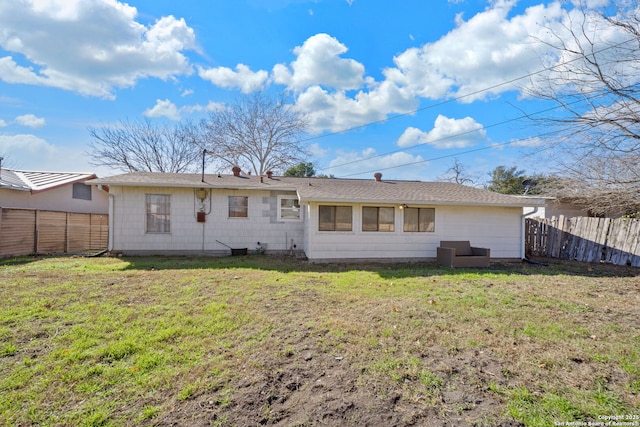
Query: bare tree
x=257, y=133
x=143, y=146
x=457, y=173
x=594, y=77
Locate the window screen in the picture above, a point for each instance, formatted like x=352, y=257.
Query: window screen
x=238, y=206
x=81, y=191
x=158, y=213
x=377, y=218
x=335, y=218
x=420, y=219
x=289, y=208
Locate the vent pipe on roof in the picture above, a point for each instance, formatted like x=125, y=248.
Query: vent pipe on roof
x=378, y=176
x=236, y=170
x=269, y=174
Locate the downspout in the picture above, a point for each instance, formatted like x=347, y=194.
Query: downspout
x=112, y=202
x=522, y=231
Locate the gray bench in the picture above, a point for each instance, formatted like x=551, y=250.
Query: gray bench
x=460, y=253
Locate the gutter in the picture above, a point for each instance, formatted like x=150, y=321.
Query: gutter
x=112, y=202
x=522, y=234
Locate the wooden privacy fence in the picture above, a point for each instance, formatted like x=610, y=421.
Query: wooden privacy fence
x=28, y=231
x=616, y=241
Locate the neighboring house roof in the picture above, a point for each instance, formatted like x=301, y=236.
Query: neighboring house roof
x=330, y=190
x=35, y=181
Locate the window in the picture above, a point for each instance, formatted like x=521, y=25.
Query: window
x=288, y=208
x=419, y=219
x=335, y=218
x=377, y=219
x=238, y=206
x=158, y=213
x=81, y=191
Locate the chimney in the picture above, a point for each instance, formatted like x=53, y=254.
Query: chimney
x=236, y=170
x=378, y=176
x=269, y=174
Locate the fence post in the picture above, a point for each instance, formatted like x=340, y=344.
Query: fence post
x=36, y=225
x=66, y=233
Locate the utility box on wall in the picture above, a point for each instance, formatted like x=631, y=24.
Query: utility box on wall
x=201, y=216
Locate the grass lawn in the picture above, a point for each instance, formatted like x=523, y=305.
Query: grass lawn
x=261, y=340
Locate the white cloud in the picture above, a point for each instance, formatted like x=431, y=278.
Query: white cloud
x=163, y=108
x=166, y=108
x=211, y=106
x=338, y=112
x=446, y=133
x=398, y=165
x=484, y=52
x=529, y=142
x=30, y=120
x=29, y=152
x=243, y=78
x=98, y=45
x=3, y=123
x=25, y=146
x=318, y=63
x=315, y=150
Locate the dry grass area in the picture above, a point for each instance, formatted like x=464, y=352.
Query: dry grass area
x=258, y=340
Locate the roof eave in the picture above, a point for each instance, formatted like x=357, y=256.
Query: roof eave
x=262, y=187
x=308, y=200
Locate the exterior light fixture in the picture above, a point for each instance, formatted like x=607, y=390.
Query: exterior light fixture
x=201, y=194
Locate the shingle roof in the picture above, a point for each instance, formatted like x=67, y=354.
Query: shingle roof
x=35, y=181
x=330, y=190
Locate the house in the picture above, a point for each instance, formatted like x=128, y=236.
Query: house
x=326, y=219
x=51, y=191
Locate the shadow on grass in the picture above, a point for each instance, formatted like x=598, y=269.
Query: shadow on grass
x=384, y=270
x=286, y=264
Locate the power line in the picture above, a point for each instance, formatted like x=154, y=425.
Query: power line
x=454, y=136
x=457, y=98
x=502, y=144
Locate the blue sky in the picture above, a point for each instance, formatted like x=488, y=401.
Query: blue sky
x=402, y=87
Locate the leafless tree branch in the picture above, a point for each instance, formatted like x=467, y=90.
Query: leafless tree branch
x=257, y=133
x=595, y=79
x=142, y=146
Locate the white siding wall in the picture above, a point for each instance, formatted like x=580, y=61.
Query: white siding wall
x=188, y=236
x=491, y=227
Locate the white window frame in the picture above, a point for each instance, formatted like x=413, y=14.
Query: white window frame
x=149, y=213
x=281, y=208
x=238, y=208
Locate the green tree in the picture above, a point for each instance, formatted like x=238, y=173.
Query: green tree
x=513, y=181
x=507, y=180
x=302, y=169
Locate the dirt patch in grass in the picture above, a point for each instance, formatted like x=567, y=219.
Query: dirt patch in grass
x=248, y=341
x=310, y=387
